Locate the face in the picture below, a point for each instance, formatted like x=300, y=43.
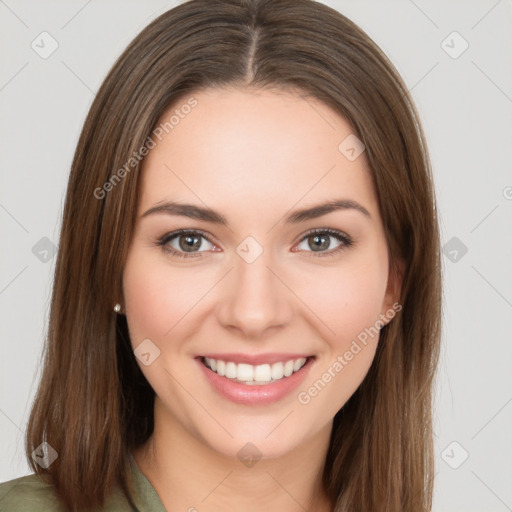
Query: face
x=251, y=276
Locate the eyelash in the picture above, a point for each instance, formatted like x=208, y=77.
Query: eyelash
x=338, y=235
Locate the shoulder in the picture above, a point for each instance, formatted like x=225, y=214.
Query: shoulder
x=35, y=493
x=28, y=493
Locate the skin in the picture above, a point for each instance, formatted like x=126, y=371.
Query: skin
x=254, y=156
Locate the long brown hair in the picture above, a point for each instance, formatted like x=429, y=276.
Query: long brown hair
x=93, y=404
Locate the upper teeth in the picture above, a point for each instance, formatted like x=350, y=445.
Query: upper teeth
x=248, y=373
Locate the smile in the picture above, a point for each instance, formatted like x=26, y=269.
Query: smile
x=254, y=374
x=255, y=379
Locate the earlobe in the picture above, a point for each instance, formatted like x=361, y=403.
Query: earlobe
x=119, y=305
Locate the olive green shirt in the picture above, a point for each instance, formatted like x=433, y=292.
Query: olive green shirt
x=33, y=493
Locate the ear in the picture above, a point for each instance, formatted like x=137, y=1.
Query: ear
x=391, y=302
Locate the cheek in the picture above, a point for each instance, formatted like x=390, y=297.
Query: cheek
x=156, y=296
x=346, y=300
x=349, y=307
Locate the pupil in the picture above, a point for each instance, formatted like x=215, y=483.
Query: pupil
x=191, y=242
x=316, y=238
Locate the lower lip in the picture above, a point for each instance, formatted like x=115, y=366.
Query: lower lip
x=255, y=394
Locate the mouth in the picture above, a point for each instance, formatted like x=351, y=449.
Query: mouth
x=255, y=380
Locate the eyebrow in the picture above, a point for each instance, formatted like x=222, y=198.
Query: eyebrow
x=208, y=215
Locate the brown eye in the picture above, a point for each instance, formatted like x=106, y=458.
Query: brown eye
x=321, y=241
x=185, y=243
x=189, y=243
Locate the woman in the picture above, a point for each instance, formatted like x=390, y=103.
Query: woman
x=246, y=305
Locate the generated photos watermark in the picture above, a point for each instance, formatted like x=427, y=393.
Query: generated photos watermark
x=305, y=397
x=149, y=144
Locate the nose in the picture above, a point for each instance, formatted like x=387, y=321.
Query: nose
x=254, y=299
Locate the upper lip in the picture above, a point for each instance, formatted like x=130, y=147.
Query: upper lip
x=255, y=359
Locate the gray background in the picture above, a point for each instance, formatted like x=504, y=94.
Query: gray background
x=465, y=102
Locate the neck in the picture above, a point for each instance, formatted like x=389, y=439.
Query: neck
x=189, y=475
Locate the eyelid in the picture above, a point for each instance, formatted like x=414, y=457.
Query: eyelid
x=187, y=231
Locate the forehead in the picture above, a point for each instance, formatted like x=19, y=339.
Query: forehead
x=245, y=147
